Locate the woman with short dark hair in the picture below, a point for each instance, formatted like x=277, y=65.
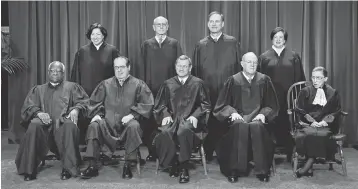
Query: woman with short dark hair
x=94, y=62
x=285, y=68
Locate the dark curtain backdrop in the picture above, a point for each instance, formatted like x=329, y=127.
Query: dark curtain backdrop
x=323, y=33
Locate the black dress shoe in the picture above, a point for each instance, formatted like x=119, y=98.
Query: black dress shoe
x=309, y=174
x=263, y=177
x=233, y=177
x=298, y=174
x=65, y=175
x=127, y=173
x=184, y=176
x=28, y=177
x=150, y=157
x=89, y=173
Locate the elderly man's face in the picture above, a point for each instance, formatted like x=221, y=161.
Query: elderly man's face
x=160, y=26
x=56, y=73
x=278, y=40
x=249, y=64
x=215, y=23
x=120, y=68
x=183, y=68
x=318, y=79
x=97, y=36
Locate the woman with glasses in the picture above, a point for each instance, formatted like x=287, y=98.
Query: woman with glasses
x=284, y=68
x=318, y=106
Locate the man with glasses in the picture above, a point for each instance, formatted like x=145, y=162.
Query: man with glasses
x=158, y=58
x=50, y=113
x=246, y=104
x=216, y=57
x=180, y=109
x=117, y=107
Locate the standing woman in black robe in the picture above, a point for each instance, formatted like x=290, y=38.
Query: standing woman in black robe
x=93, y=64
x=285, y=68
x=318, y=106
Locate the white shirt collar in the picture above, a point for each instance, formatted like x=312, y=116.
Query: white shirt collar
x=121, y=81
x=163, y=38
x=248, y=78
x=54, y=84
x=98, y=46
x=218, y=37
x=277, y=50
x=183, y=79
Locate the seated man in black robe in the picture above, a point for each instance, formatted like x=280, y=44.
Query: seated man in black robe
x=180, y=109
x=50, y=112
x=117, y=106
x=247, y=101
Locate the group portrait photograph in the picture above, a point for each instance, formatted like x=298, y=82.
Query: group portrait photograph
x=179, y=94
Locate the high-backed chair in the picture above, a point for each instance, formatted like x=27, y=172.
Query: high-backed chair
x=296, y=124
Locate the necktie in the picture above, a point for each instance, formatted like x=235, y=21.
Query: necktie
x=249, y=80
x=182, y=81
x=216, y=40
x=160, y=41
x=121, y=82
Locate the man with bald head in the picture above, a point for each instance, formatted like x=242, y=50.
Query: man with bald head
x=50, y=113
x=158, y=58
x=246, y=104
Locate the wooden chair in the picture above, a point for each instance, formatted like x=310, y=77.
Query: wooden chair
x=295, y=124
x=197, y=154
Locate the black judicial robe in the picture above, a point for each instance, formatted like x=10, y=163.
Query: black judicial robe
x=112, y=101
x=284, y=70
x=214, y=62
x=314, y=142
x=58, y=102
x=180, y=102
x=91, y=66
x=159, y=61
x=248, y=100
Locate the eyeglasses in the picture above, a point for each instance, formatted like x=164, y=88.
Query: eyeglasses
x=182, y=66
x=251, y=62
x=55, y=71
x=161, y=25
x=317, y=78
x=119, y=67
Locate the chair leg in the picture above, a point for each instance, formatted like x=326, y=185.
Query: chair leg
x=138, y=162
x=156, y=166
x=43, y=162
x=344, y=167
x=295, y=162
x=203, y=159
x=330, y=166
x=273, y=166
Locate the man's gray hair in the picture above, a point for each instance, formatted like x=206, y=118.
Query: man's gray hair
x=183, y=57
x=155, y=19
x=63, y=65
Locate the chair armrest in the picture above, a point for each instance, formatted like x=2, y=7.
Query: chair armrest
x=338, y=137
x=344, y=113
x=289, y=111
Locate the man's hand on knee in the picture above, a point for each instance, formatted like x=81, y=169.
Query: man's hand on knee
x=73, y=115
x=44, y=117
x=95, y=118
x=127, y=118
x=193, y=121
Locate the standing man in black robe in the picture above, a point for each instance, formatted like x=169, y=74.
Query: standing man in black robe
x=285, y=68
x=158, y=57
x=246, y=103
x=117, y=107
x=180, y=109
x=216, y=57
x=50, y=112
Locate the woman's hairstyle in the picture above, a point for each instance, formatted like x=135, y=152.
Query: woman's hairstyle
x=94, y=26
x=279, y=29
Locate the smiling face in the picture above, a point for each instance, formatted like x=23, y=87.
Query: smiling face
x=249, y=63
x=318, y=79
x=215, y=23
x=183, y=68
x=121, y=70
x=97, y=36
x=278, y=40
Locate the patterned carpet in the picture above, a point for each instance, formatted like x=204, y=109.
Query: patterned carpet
x=110, y=176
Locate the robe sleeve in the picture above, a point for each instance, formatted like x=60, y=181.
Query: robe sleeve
x=196, y=61
x=205, y=104
x=144, y=102
x=223, y=109
x=299, y=73
x=143, y=64
x=301, y=106
x=161, y=106
x=75, y=73
x=96, y=102
x=270, y=105
x=80, y=99
x=31, y=106
x=238, y=55
x=335, y=108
